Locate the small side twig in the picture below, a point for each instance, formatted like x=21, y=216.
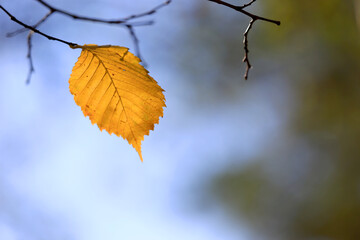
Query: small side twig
x=12, y=18
x=29, y=57
x=125, y=22
x=136, y=44
x=29, y=43
x=253, y=18
x=29, y=38
x=246, y=48
x=248, y=4
x=121, y=22
x=21, y=30
x=107, y=21
x=148, y=13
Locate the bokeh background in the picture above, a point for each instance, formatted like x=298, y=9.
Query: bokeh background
x=274, y=157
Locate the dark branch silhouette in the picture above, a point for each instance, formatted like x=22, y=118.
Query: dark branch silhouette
x=125, y=22
x=21, y=30
x=29, y=43
x=246, y=48
x=35, y=30
x=129, y=25
x=253, y=18
x=136, y=43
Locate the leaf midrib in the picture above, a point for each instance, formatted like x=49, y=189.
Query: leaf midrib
x=116, y=90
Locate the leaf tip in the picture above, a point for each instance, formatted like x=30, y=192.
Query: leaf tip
x=138, y=150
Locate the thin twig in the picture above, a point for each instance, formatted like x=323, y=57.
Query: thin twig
x=12, y=18
x=107, y=21
x=241, y=9
x=29, y=40
x=122, y=22
x=248, y=4
x=253, y=18
x=152, y=11
x=21, y=30
x=136, y=44
x=29, y=43
x=29, y=57
x=246, y=48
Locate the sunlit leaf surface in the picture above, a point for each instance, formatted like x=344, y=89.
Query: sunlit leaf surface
x=116, y=92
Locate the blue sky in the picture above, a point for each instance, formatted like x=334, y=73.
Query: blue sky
x=61, y=178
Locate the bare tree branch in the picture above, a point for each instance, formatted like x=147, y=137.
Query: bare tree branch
x=241, y=9
x=246, y=48
x=253, y=18
x=29, y=43
x=136, y=44
x=29, y=57
x=248, y=4
x=122, y=21
x=125, y=22
x=21, y=30
x=12, y=18
x=129, y=24
x=152, y=11
x=99, y=20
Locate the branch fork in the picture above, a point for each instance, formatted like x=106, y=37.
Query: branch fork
x=129, y=24
x=126, y=22
x=253, y=19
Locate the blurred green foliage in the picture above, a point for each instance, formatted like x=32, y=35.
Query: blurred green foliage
x=307, y=184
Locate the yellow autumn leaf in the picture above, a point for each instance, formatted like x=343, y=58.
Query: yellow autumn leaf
x=116, y=92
